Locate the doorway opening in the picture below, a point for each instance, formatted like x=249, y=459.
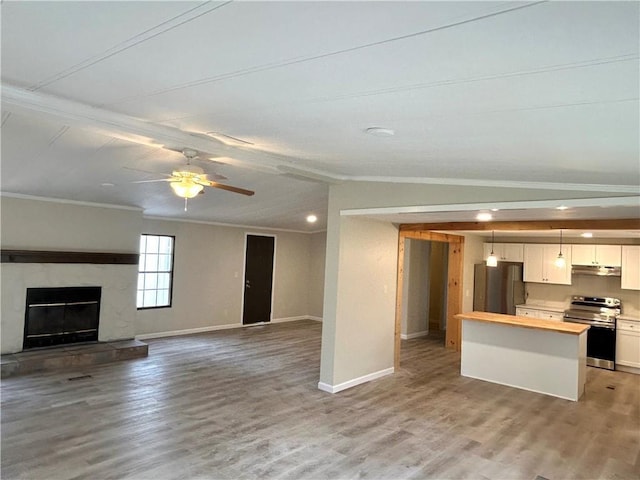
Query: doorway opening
x=257, y=301
x=424, y=289
x=415, y=282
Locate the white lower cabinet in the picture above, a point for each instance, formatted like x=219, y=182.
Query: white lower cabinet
x=628, y=345
x=538, y=313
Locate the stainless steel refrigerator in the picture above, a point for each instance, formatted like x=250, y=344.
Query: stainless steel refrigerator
x=498, y=289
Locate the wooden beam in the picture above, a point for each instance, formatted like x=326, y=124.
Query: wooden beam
x=430, y=236
x=408, y=229
x=47, y=256
x=399, y=287
x=454, y=293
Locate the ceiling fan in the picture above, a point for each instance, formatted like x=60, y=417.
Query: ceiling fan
x=189, y=180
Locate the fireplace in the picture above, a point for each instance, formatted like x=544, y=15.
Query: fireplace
x=58, y=316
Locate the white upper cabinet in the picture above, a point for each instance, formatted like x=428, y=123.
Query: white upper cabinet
x=506, y=252
x=540, y=267
x=630, y=267
x=604, y=255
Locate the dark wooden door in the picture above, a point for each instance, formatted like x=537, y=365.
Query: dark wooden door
x=258, y=279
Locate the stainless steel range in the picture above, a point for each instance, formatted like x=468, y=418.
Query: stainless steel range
x=601, y=314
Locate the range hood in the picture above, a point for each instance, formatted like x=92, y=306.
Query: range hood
x=596, y=270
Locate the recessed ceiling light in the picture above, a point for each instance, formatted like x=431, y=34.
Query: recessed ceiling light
x=312, y=218
x=484, y=217
x=495, y=209
x=107, y=184
x=562, y=207
x=586, y=235
x=380, y=132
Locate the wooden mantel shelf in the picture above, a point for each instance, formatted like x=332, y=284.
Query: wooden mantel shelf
x=525, y=322
x=52, y=256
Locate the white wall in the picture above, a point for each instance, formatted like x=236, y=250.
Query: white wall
x=544, y=293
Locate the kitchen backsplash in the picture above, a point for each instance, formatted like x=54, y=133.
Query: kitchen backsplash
x=543, y=293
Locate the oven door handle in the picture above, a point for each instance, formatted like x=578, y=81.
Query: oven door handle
x=610, y=326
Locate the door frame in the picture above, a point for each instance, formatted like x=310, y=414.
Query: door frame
x=455, y=272
x=244, y=273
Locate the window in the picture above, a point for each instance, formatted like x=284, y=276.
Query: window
x=155, y=271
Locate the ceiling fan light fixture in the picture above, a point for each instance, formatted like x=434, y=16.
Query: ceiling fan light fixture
x=186, y=188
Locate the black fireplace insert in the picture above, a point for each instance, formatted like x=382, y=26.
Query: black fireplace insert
x=56, y=316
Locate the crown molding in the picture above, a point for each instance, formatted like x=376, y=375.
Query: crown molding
x=618, y=201
x=583, y=187
x=70, y=202
x=228, y=225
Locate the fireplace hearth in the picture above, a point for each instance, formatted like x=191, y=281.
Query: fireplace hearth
x=59, y=316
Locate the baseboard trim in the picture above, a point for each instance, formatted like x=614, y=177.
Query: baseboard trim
x=624, y=368
x=213, y=328
x=188, y=331
x=325, y=387
x=409, y=336
x=289, y=319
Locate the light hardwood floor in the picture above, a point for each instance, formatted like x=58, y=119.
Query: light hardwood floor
x=244, y=403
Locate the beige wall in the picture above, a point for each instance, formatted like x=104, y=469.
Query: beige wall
x=416, y=286
x=209, y=272
x=438, y=283
x=42, y=225
x=317, y=250
x=361, y=338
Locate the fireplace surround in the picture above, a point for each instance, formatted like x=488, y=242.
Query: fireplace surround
x=61, y=315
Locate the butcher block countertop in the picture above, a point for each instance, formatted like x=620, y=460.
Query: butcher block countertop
x=525, y=322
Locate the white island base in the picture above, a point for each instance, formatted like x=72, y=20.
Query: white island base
x=530, y=354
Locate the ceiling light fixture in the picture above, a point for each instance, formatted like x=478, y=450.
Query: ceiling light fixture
x=586, y=235
x=186, y=188
x=562, y=207
x=560, y=260
x=484, y=217
x=492, y=260
x=312, y=218
x=380, y=132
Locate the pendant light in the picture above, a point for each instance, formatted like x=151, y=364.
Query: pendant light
x=560, y=260
x=492, y=260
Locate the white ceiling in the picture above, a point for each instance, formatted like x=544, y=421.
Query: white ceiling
x=539, y=92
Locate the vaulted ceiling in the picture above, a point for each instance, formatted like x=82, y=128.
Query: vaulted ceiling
x=278, y=97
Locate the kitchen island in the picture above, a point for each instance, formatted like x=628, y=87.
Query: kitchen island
x=533, y=354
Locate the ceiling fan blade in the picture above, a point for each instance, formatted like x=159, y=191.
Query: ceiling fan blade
x=230, y=188
x=157, y=180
